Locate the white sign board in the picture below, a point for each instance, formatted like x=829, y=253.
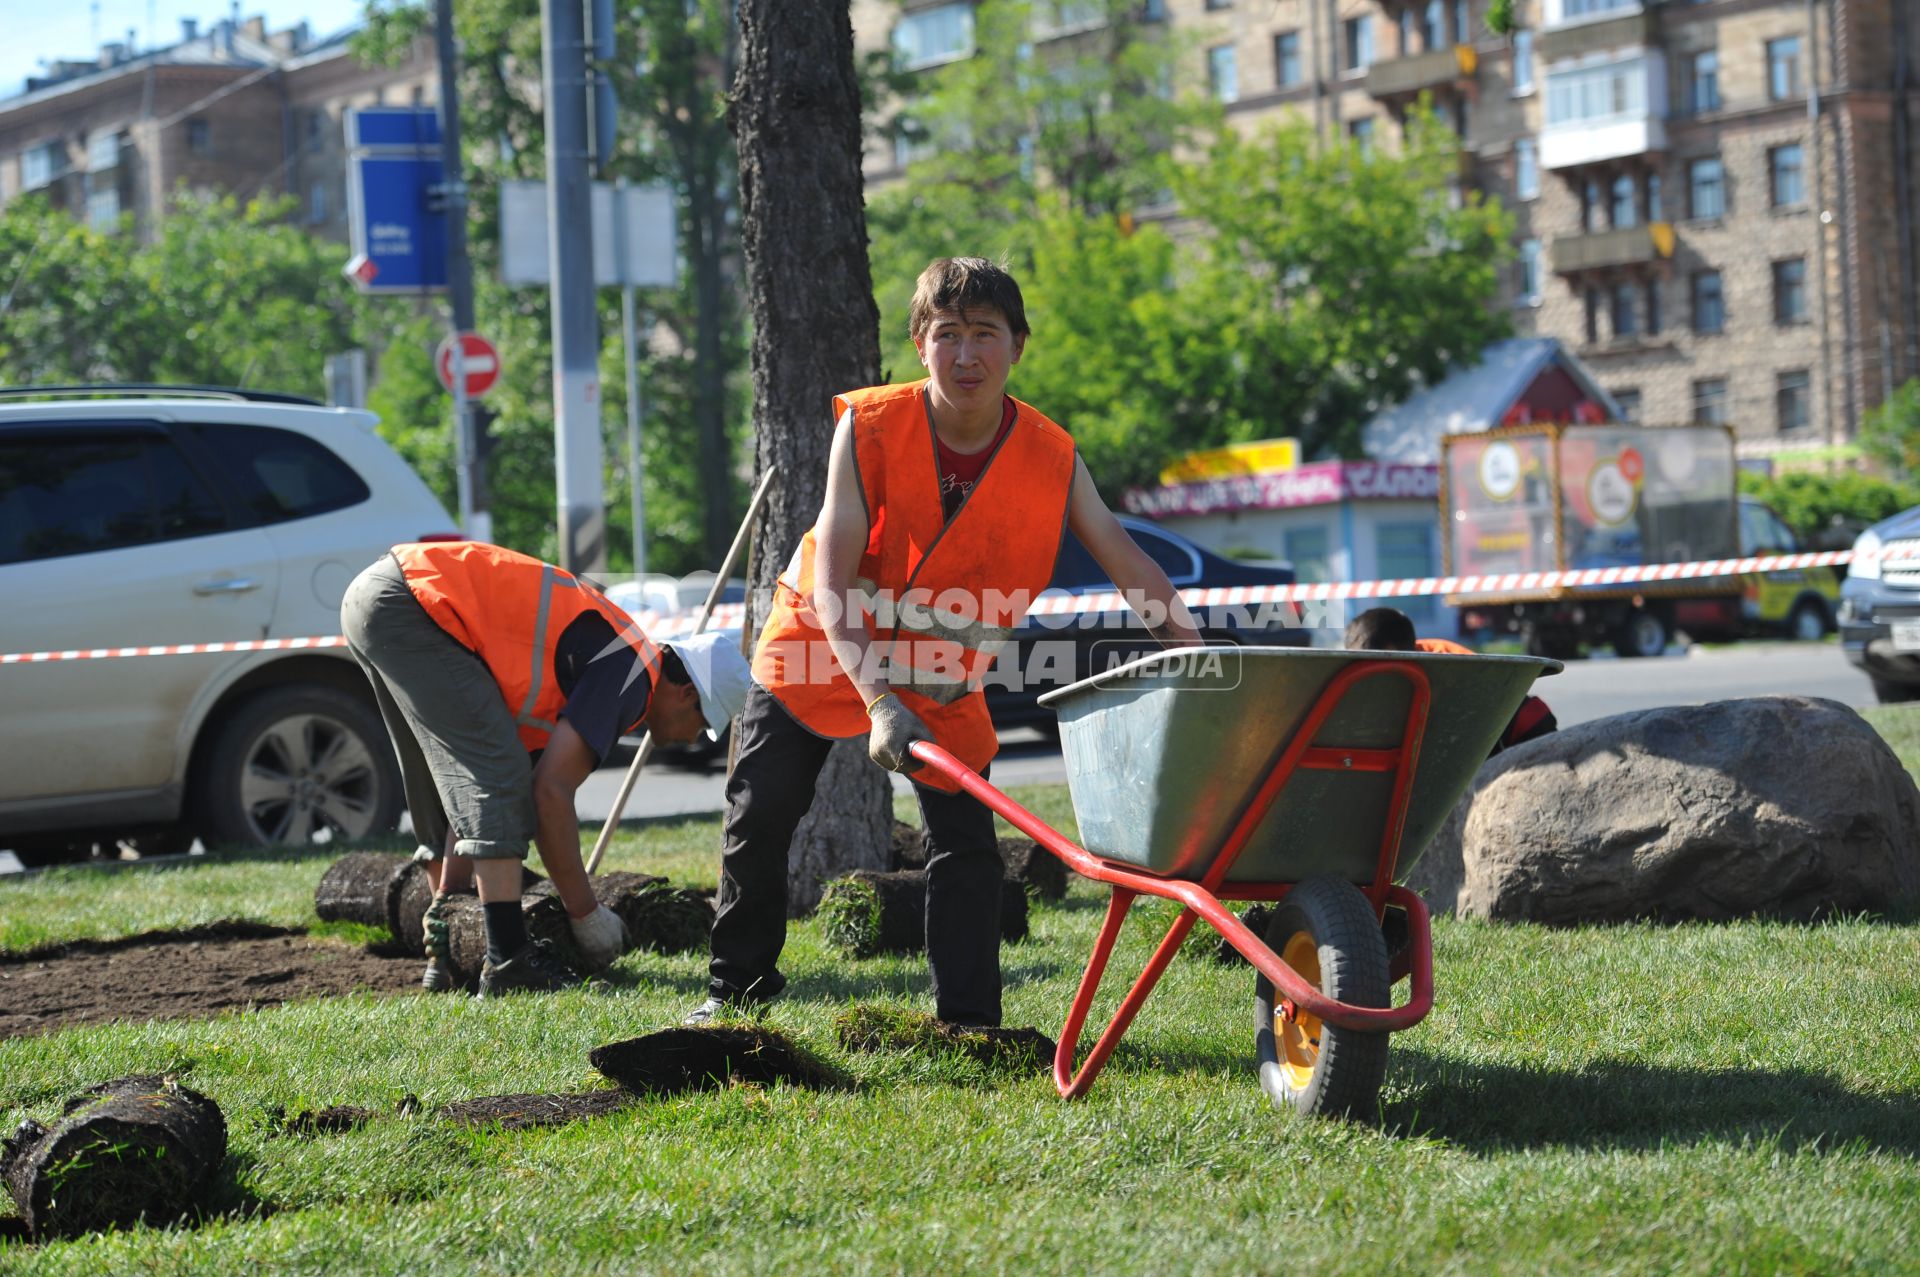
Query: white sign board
x=645, y=230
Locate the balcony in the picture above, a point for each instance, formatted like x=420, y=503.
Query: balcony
x=1574, y=145
x=1605, y=110
x=1629, y=29
x=1608, y=250
x=1449, y=67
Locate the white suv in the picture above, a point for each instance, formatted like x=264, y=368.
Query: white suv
x=182, y=517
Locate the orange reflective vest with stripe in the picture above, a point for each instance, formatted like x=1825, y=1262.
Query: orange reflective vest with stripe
x=510, y=610
x=938, y=597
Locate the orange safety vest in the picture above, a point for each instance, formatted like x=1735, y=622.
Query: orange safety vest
x=948, y=594
x=510, y=610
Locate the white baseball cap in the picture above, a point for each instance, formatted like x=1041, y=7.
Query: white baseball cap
x=720, y=675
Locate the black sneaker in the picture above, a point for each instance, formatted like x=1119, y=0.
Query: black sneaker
x=764, y=991
x=535, y=969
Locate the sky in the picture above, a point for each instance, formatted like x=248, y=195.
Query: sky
x=53, y=29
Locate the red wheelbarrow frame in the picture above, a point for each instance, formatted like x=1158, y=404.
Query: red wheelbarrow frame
x=1204, y=898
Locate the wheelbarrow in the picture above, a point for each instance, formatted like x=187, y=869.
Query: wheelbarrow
x=1308, y=778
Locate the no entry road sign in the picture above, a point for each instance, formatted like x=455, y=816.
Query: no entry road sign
x=479, y=363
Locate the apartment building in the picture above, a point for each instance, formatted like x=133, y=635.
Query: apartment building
x=233, y=108
x=1713, y=201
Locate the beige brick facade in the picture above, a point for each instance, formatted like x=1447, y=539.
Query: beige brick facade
x=1817, y=287
x=231, y=111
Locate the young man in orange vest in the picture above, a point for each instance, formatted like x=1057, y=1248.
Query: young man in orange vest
x=945, y=506
x=1388, y=629
x=480, y=657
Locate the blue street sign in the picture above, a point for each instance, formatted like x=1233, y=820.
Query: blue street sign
x=412, y=127
x=397, y=226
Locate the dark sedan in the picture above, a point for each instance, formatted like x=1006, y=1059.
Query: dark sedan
x=1053, y=651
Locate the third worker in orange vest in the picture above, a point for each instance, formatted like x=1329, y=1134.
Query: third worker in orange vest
x=1388, y=629
x=945, y=506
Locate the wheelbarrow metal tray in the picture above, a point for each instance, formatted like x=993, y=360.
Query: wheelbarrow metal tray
x=1163, y=754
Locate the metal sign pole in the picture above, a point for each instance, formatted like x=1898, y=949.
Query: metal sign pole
x=462, y=437
x=636, y=467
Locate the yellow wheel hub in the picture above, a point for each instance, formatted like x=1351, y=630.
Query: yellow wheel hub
x=1299, y=1038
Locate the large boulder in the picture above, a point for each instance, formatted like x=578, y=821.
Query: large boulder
x=1775, y=806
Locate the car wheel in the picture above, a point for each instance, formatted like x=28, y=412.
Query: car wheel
x=1894, y=693
x=1808, y=622
x=292, y=762
x=1643, y=633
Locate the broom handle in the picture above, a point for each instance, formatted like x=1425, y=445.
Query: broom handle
x=699, y=626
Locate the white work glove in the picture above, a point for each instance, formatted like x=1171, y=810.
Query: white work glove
x=895, y=727
x=600, y=936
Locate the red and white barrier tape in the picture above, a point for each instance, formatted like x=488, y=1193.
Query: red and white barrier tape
x=728, y=615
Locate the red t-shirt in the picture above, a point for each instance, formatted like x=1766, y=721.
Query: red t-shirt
x=959, y=471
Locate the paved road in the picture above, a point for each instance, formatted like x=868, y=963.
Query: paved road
x=1587, y=690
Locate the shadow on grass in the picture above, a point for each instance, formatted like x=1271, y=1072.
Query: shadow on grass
x=1623, y=1105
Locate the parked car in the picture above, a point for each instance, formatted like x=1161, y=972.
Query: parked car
x=1053, y=655
x=161, y=516
x=1880, y=607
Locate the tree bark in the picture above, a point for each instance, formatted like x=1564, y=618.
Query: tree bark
x=795, y=113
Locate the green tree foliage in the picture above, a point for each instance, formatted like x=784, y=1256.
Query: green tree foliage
x=670, y=70
x=1826, y=510
x=225, y=294
x=1890, y=434
x=1302, y=284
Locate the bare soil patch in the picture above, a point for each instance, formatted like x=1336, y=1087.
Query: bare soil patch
x=190, y=974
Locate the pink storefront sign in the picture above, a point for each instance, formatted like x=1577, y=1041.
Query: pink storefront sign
x=1318, y=483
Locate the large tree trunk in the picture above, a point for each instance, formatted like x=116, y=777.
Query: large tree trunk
x=816, y=331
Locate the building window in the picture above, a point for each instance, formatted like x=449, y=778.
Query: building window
x=316, y=204
x=1656, y=208
x=39, y=165
x=1462, y=28
x=1592, y=95
x=1571, y=10
x=1404, y=26
x=1593, y=315
x=1623, y=316
x=1529, y=272
x=316, y=130
x=932, y=36
x=1526, y=169
x=1629, y=402
x=200, y=137
x=1308, y=550
x=1359, y=45
x=103, y=151
x=1361, y=131
x=1653, y=324
x=1433, y=25
x=1286, y=59
x=1783, y=68
x=1219, y=4
x=1790, y=291
x=1154, y=11
x=1703, y=91
x=1709, y=303
x=1710, y=401
x=1787, y=164
x=1523, y=61
x=1590, y=205
x=1406, y=550
x=1706, y=188
x=1624, y=210
x=103, y=206
x=1792, y=400
x=1223, y=73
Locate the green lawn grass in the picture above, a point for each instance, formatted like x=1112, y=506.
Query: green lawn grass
x=1699, y=1099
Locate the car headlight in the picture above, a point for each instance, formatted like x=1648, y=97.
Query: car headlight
x=1866, y=558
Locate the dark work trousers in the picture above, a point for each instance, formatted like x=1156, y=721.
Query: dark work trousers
x=768, y=793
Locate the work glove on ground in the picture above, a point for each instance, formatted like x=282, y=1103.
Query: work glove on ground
x=895, y=727
x=600, y=936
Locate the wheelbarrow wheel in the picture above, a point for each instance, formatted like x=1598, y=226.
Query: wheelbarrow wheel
x=1325, y=930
